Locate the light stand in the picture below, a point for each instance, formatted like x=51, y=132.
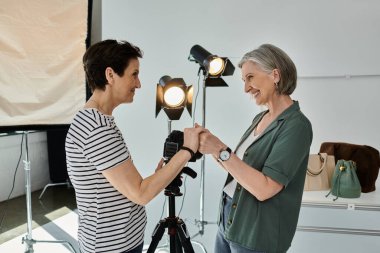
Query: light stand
x=212, y=67
x=201, y=222
x=173, y=95
x=28, y=238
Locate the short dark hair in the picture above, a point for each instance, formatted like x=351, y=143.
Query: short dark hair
x=270, y=57
x=107, y=53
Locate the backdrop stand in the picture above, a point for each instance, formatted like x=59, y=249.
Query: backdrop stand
x=67, y=183
x=28, y=238
x=57, y=158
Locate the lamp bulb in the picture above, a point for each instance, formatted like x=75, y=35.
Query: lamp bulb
x=216, y=66
x=174, y=96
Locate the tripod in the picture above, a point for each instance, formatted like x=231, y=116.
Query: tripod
x=28, y=239
x=178, y=234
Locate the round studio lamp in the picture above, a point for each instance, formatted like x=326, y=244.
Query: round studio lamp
x=214, y=65
x=173, y=96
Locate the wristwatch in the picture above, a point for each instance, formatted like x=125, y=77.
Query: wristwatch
x=224, y=155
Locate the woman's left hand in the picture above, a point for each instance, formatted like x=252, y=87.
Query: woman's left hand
x=210, y=144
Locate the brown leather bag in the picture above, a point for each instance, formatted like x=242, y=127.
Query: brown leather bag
x=367, y=160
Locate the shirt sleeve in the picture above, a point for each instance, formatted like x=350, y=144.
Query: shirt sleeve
x=105, y=148
x=288, y=152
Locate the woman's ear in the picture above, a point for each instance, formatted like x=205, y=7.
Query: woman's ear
x=109, y=75
x=276, y=75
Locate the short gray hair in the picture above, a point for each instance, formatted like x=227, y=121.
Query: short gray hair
x=270, y=57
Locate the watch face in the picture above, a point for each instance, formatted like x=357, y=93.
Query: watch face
x=224, y=155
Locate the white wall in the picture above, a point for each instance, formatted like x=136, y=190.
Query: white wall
x=324, y=38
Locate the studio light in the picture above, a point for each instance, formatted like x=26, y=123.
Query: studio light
x=212, y=65
x=172, y=95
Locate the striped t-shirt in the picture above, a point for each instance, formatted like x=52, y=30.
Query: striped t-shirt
x=108, y=221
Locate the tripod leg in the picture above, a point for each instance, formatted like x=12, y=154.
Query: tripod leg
x=184, y=237
x=157, y=235
x=175, y=244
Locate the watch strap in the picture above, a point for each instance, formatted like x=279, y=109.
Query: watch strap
x=189, y=150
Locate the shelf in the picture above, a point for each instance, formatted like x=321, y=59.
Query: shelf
x=367, y=202
x=336, y=230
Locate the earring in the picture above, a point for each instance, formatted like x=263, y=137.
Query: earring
x=276, y=84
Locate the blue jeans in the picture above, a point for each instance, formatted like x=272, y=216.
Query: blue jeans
x=138, y=249
x=222, y=245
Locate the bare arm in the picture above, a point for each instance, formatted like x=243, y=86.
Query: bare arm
x=128, y=181
x=254, y=181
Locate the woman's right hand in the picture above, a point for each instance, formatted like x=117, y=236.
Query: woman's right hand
x=191, y=137
x=160, y=164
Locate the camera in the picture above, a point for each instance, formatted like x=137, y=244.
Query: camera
x=172, y=145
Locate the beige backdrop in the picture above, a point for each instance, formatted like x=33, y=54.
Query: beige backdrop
x=41, y=46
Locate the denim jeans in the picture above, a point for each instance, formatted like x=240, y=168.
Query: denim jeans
x=221, y=244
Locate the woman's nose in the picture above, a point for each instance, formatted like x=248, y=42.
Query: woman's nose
x=247, y=87
x=138, y=85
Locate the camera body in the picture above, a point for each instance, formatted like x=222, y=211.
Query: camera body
x=172, y=145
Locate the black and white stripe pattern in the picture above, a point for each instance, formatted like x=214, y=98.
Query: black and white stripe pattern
x=108, y=221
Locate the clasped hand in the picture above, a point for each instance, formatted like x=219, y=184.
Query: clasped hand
x=200, y=139
x=209, y=143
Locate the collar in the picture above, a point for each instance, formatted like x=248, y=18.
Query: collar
x=287, y=113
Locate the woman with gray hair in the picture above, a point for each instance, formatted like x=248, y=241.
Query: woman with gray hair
x=262, y=195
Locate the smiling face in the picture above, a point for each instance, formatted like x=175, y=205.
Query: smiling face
x=258, y=83
x=126, y=85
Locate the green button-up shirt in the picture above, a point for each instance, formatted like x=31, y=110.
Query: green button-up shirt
x=281, y=152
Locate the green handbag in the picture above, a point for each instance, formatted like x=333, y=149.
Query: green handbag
x=345, y=182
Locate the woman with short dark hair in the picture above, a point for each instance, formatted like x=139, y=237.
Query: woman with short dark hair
x=110, y=191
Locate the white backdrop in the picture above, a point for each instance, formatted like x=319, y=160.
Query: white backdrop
x=326, y=39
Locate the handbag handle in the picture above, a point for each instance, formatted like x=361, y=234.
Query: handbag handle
x=323, y=157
